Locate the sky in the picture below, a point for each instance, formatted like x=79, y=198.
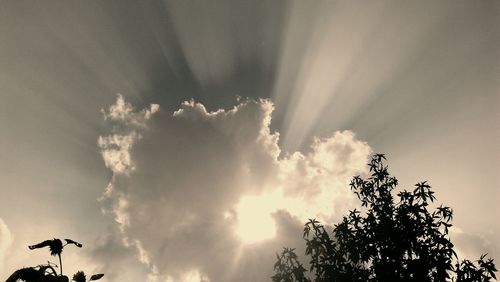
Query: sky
x=191, y=140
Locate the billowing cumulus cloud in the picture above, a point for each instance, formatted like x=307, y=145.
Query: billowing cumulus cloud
x=208, y=196
x=5, y=242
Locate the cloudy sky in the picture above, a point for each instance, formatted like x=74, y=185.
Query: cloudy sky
x=190, y=140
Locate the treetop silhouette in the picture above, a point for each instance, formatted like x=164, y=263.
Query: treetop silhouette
x=389, y=239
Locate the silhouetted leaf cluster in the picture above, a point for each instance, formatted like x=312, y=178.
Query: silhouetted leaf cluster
x=288, y=268
x=391, y=240
x=81, y=277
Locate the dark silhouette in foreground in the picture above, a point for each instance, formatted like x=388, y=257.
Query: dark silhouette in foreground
x=389, y=240
x=47, y=273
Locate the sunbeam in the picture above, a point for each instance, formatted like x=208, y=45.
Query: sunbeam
x=235, y=122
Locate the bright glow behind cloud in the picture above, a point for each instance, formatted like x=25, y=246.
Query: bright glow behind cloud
x=195, y=186
x=255, y=222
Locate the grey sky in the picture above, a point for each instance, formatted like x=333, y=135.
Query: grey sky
x=417, y=81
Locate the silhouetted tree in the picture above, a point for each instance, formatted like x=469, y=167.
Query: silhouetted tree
x=390, y=240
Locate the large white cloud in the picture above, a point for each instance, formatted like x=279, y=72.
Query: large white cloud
x=6, y=239
x=191, y=189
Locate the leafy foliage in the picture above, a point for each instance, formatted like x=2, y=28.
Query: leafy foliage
x=79, y=277
x=391, y=240
x=288, y=267
x=96, y=276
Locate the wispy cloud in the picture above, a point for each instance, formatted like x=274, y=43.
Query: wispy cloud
x=6, y=239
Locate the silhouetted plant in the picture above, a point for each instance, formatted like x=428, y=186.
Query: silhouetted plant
x=388, y=241
x=56, y=247
x=79, y=277
x=47, y=273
